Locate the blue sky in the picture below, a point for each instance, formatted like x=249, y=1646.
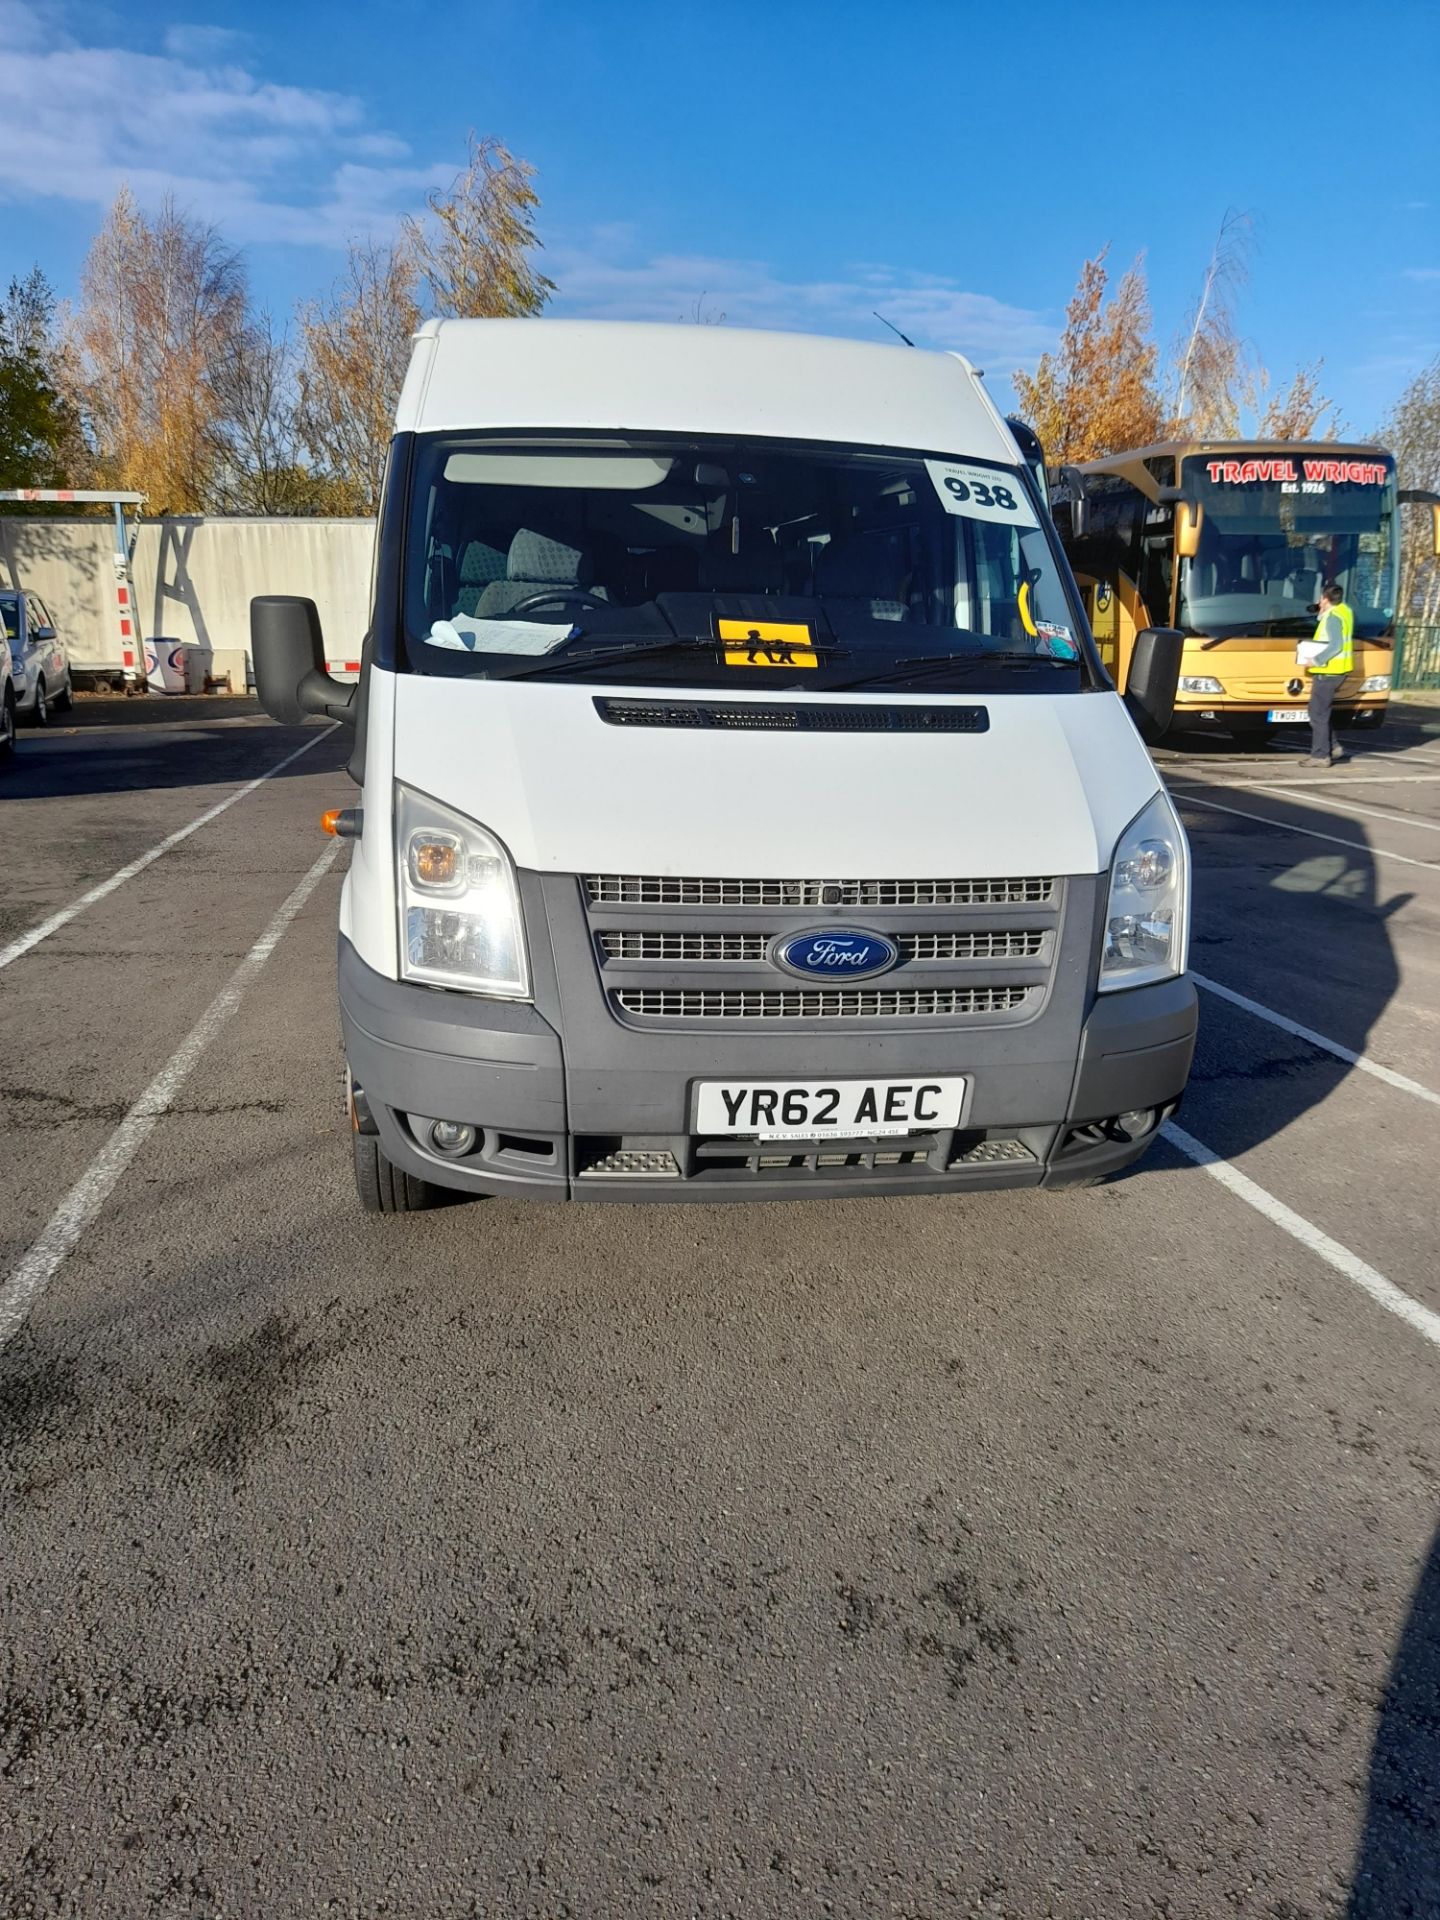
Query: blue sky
x=795, y=163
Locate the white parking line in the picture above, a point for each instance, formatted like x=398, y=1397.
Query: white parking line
x=1311, y=833
x=83, y=1202
x=62, y=918
x=1365, y=1064
x=1423, y=1319
x=1339, y=800
x=1303, y=780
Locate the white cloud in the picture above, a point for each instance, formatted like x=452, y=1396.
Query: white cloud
x=1420, y=273
x=603, y=278
x=188, y=41
x=267, y=162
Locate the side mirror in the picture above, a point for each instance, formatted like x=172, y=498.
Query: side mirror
x=289, y=656
x=1073, y=482
x=45, y=633
x=1153, y=680
x=1189, y=523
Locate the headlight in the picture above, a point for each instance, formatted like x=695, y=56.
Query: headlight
x=459, y=905
x=1375, y=683
x=1146, y=918
x=1199, y=683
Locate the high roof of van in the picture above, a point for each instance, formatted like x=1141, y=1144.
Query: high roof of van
x=632, y=377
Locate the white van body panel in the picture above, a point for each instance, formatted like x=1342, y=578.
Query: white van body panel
x=588, y=376
x=1048, y=789
x=367, y=898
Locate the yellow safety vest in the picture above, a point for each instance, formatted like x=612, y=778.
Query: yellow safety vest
x=1344, y=661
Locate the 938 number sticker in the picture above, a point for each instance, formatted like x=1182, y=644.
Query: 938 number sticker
x=981, y=493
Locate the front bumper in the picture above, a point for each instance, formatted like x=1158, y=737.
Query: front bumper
x=1239, y=719
x=558, y=1128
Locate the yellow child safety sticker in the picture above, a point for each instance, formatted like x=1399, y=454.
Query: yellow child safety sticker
x=768, y=643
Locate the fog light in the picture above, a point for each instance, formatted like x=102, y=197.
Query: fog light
x=1137, y=1121
x=452, y=1137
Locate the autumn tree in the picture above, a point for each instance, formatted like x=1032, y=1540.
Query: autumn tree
x=354, y=349
x=1412, y=433
x=163, y=306
x=468, y=257
x=472, y=249
x=40, y=440
x=1297, y=412
x=260, y=464
x=1211, y=375
x=1097, y=393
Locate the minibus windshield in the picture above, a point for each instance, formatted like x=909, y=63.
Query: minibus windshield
x=715, y=563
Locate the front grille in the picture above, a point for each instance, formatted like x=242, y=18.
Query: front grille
x=701, y=949
x=971, y=946
x=673, y=890
x=813, y=1003
x=685, y=949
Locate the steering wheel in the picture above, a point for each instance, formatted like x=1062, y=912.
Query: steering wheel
x=560, y=596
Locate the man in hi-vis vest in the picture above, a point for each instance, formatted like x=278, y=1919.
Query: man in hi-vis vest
x=1328, y=658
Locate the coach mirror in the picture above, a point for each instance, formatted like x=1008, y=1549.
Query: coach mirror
x=289, y=658
x=1188, y=524
x=1154, y=676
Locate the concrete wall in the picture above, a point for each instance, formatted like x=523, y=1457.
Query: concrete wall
x=193, y=579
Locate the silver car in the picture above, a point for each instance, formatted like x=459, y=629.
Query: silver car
x=38, y=657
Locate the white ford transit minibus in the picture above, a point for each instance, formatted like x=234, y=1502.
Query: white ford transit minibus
x=745, y=810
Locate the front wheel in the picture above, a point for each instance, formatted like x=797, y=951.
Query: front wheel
x=382, y=1186
x=64, y=702
x=41, y=715
x=7, y=728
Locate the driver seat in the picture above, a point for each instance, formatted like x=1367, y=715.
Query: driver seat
x=534, y=563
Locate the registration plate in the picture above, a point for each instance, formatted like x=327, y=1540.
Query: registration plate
x=1279, y=715
x=828, y=1109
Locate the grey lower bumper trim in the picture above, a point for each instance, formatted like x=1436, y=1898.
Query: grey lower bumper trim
x=502, y=1068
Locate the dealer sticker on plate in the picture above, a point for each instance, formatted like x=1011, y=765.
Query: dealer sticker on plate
x=834, y=1109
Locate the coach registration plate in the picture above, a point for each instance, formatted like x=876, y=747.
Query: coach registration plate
x=828, y=1109
x=1278, y=716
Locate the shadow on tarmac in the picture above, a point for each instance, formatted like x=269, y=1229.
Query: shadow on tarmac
x=1397, y=1867
x=186, y=751
x=1300, y=927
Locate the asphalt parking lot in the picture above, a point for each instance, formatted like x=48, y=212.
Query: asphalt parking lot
x=1011, y=1555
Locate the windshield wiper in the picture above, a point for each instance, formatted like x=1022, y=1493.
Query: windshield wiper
x=652, y=649
x=925, y=663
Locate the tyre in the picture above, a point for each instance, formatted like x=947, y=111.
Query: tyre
x=382, y=1186
x=65, y=701
x=40, y=714
x=7, y=728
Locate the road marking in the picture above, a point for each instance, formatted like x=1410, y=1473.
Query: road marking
x=1384, y=1291
x=1312, y=833
x=1302, y=780
x=78, y=1210
x=1365, y=1064
x=21, y=946
x=1339, y=800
